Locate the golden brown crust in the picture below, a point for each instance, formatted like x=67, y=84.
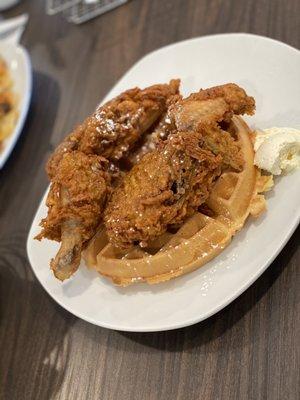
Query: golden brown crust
x=222, y=102
x=109, y=132
x=77, y=192
x=163, y=189
x=220, y=142
x=210, y=106
x=201, y=237
x=148, y=201
x=114, y=127
x=82, y=168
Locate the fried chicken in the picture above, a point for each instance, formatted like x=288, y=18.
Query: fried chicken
x=76, y=200
x=115, y=127
x=220, y=142
x=169, y=184
x=82, y=169
x=213, y=105
x=161, y=130
x=208, y=111
x=162, y=190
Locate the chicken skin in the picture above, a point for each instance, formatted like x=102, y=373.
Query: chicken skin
x=163, y=189
x=216, y=104
x=117, y=125
x=82, y=169
x=208, y=111
x=169, y=184
x=76, y=200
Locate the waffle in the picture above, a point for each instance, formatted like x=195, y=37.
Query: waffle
x=202, y=237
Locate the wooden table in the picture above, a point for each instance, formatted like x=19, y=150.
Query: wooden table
x=249, y=350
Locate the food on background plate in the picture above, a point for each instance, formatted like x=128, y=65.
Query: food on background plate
x=8, y=103
x=152, y=185
x=5, y=77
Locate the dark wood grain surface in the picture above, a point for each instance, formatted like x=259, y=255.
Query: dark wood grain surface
x=250, y=350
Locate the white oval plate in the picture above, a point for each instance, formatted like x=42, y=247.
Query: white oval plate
x=268, y=70
x=18, y=62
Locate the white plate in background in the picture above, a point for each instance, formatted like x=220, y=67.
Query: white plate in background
x=269, y=71
x=19, y=65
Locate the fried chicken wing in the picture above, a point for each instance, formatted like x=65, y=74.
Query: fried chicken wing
x=170, y=183
x=68, y=257
x=114, y=127
x=207, y=112
x=163, y=189
x=161, y=130
x=220, y=142
x=82, y=169
x=216, y=104
x=76, y=200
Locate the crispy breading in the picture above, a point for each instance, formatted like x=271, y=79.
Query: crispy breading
x=220, y=142
x=207, y=111
x=161, y=131
x=76, y=201
x=114, y=127
x=216, y=104
x=78, y=191
x=169, y=184
x=162, y=190
x=82, y=168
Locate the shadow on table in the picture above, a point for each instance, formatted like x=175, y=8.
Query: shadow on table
x=206, y=331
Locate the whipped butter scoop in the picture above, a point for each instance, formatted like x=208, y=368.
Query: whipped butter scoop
x=277, y=150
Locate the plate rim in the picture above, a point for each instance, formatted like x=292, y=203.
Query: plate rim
x=226, y=301
x=26, y=99
x=187, y=323
x=195, y=39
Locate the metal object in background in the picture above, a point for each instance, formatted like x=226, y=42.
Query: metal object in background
x=79, y=11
